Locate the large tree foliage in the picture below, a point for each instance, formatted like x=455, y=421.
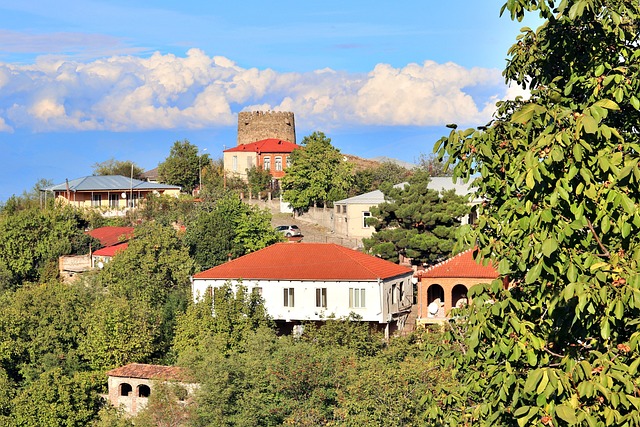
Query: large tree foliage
x=182, y=167
x=228, y=228
x=415, y=221
x=318, y=174
x=118, y=167
x=561, y=178
x=32, y=239
x=372, y=178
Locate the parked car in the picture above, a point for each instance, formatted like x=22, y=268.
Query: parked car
x=289, y=230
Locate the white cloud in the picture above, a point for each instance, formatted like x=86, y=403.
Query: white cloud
x=197, y=91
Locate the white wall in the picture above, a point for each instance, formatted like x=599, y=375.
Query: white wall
x=305, y=298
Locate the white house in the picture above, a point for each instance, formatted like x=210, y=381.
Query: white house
x=312, y=281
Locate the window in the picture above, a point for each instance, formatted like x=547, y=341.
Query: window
x=278, y=163
x=321, y=297
x=234, y=163
x=113, y=201
x=394, y=291
x=96, y=200
x=288, y=297
x=267, y=163
x=132, y=199
x=356, y=298
x=288, y=161
x=365, y=215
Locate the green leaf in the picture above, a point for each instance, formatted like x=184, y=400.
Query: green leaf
x=608, y=104
x=533, y=274
x=589, y=124
x=524, y=114
x=549, y=246
x=567, y=414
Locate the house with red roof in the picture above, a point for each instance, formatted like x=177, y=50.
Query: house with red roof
x=131, y=385
x=273, y=155
x=313, y=281
x=445, y=286
x=112, y=239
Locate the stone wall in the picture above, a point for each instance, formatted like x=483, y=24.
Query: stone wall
x=258, y=125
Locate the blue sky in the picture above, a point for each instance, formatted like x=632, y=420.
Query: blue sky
x=85, y=81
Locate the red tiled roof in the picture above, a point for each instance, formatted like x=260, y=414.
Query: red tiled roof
x=159, y=372
x=306, y=261
x=266, y=146
x=111, y=250
x=109, y=236
x=461, y=265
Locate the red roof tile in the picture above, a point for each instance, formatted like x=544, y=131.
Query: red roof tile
x=266, y=146
x=111, y=250
x=159, y=372
x=109, y=236
x=306, y=261
x=461, y=265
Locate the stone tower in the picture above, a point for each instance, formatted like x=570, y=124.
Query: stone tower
x=258, y=125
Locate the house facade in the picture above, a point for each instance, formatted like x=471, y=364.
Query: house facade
x=273, y=155
x=445, y=286
x=111, y=194
x=314, y=281
x=131, y=385
x=349, y=215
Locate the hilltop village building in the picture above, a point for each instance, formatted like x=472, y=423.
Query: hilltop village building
x=113, y=195
x=266, y=140
x=314, y=281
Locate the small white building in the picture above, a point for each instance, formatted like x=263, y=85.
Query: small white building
x=313, y=281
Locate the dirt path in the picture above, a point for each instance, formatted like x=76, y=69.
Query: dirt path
x=314, y=233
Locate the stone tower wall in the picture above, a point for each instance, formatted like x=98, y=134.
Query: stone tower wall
x=258, y=125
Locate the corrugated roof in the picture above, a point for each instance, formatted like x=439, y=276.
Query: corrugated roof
x=460, y=266
x=157, y=372
x=109, y=183
x=109, y=236
x=111, y=250
x=271, y=145
x=306, y=261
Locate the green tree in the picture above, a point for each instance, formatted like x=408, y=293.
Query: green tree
x=318, y=174
x=55, y=400
x=119, y=331
x=560, y=175
x=168, y=406
x=31, y=240
x=416, y=222
x=259, y=179
x=41, y=326
x=372, y=178
x=118, y=167
x=236, y=314
x=228, y=228
x=182, y=166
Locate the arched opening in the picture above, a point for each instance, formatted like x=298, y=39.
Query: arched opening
x=125, y=389
x=434, y=292
x=143, y=390
x=435, y=301
x=459, y=296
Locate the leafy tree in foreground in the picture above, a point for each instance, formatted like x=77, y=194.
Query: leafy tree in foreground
x=318, y=173
x=259, y=179
x=416, y=222
x=561, y=177
x=118, y=167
